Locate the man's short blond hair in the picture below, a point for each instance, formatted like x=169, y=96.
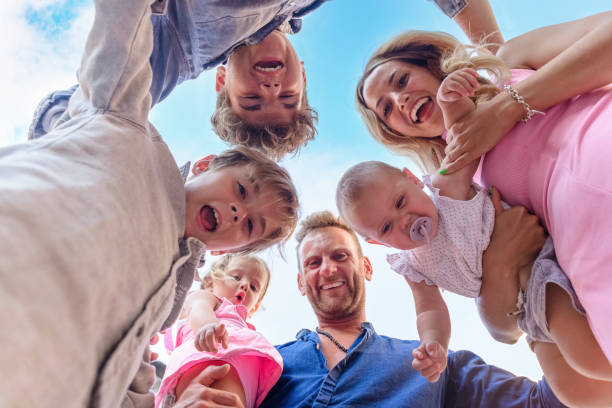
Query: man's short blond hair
x=355, y=180
x=218, y=271
x=269, y=174
x=274, y=140
x=318, y=220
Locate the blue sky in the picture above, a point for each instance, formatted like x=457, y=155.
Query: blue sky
x=334, y=43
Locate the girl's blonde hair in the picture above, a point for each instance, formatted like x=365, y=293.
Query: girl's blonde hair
x=441, y=54
x=218, y=271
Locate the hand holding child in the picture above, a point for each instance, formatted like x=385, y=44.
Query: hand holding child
x=209, y=335
x=430, y=359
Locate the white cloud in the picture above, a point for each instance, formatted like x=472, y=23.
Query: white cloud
x=34, y=63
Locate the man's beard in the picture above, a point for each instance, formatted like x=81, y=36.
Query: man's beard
x=336, y=307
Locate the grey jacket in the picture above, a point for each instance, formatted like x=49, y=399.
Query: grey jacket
x=92, y=259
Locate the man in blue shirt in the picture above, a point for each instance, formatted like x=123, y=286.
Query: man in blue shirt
x=345, y=363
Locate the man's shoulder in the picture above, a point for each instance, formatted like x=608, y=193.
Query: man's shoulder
x=286, y=345
x=301, y=338
x=398, y=342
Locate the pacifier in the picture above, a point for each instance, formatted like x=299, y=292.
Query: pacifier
x=420, y=230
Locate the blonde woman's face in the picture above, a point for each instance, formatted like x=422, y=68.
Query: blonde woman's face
x=404, y=98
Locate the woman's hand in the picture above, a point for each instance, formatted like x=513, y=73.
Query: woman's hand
x=477, y=132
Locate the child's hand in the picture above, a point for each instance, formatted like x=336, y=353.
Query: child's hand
x=457, y=85
x=430, y=359
x=209, y=335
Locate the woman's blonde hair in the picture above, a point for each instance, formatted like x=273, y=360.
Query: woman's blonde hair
x=441, y=54
x=218, y=271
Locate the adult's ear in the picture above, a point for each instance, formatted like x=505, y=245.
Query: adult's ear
x=301, y=284
x=220, y=78
x=368, y=270
x=202, y=165
x=412, y=177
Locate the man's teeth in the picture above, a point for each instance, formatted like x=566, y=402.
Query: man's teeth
x=415, y=109
x=332, y=285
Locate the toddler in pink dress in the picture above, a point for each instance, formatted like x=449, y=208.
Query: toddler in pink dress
x=212, y=330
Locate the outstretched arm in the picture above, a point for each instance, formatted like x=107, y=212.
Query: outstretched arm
x=454, y=100
x=570, y=58
x=476, y=19
x=473, y=383
x=433, y=324
x=204, y=323
x=478, y=22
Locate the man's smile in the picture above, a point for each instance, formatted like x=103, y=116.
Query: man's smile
x=332, y=285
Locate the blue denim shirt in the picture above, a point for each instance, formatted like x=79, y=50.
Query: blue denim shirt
x=377, y=371
x=193, y=36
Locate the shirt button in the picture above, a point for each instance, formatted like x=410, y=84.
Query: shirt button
x=318, y=346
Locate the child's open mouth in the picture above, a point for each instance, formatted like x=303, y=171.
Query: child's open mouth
x=239, y=297
x=209, y=218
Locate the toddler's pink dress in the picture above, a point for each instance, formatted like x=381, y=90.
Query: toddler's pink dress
x=257, y=362
x=559, y=165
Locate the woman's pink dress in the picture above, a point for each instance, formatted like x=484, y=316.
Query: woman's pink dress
x=257, y=362
x=560, y=166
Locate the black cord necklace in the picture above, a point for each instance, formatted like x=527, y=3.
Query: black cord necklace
x=329, y=336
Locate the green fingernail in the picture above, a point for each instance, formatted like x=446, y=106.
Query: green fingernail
x=443, y=171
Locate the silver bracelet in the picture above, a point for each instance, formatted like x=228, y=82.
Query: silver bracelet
x=519, y=99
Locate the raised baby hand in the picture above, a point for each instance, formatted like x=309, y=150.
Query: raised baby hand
x=209, y=335
x=457, y=85
x=430, y=359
